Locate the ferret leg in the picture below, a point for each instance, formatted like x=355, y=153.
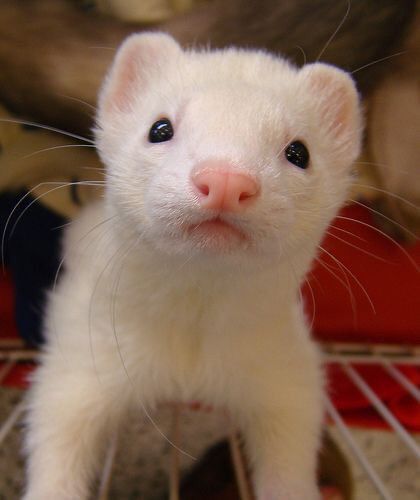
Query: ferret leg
x=282, y=438
x=68, y=424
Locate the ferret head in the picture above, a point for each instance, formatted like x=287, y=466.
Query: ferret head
x=227, y=152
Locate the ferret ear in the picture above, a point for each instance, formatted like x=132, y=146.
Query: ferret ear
x=337, y=103
x=140, y=57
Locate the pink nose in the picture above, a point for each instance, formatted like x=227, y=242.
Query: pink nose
x=220, y=187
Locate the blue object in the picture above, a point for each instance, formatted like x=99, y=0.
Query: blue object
x=32, y=254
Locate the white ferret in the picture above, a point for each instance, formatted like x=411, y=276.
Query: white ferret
x=224, y=169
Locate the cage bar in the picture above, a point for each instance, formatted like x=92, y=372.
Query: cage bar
x=357, y=451
x=11, y=420
x=381, y=408
x=345, y=355
x=239, y=467
x=399, y=377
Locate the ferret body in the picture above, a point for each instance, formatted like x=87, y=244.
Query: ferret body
x=224, y=169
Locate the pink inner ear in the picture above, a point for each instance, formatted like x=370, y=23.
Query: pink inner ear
x=140, y=56
x=123, y=79
x=341, y=108
x=337, y=96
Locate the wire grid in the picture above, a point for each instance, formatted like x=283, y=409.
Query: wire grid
x=347, y=356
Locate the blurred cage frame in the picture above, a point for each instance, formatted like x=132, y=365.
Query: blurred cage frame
x=347, y=356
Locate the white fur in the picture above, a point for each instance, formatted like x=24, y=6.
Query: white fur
x=146, y=312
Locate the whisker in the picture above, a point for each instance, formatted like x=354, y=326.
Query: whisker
x=340, y=264
x=62, y=226
x=76, y=99
x=47, y=127
x=97, y=169
x=143, y=406
x=299, y=287
x=312, y=277
x=389, y=193
x=377, y=61
x=184, y=263
x=283, y=148
x=336, y=228
x=95, y=47
x=85, y=183
x=346, y=284
x=358, y=248
x=58, y=147
x=57, y=273
x=11, y=215
x=313, y=303
x=114, y=293
x=90, y=313
x=385, y=217
x=336, y=30
x=401, y=248
x=375, y=164
x=303, y=53
x=15, y=208
x=55, y=329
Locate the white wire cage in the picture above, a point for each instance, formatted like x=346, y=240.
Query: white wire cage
x=349, y=357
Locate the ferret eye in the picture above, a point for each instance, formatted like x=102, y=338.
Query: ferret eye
x=297, y=153
x=161, y=131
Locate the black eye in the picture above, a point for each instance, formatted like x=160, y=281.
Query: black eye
x=297, y=154
x=161, y=131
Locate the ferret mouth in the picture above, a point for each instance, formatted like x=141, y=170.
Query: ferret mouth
x=216, y=231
